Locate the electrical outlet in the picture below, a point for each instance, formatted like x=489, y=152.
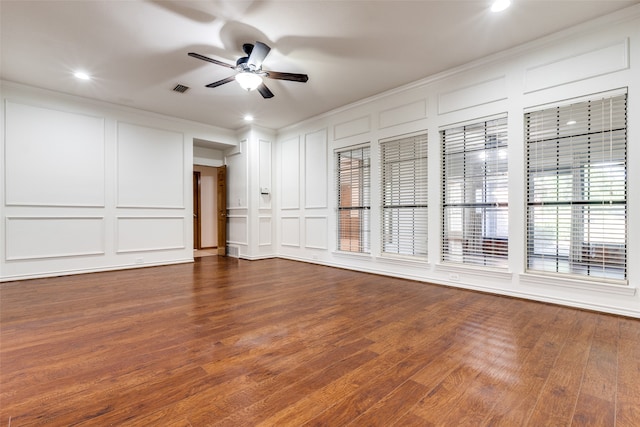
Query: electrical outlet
x=454, y=277
x=139, y=260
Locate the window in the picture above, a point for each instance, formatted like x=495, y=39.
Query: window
x=404, y=195
x=354, y=199
x=475, y=205
x=577, y=189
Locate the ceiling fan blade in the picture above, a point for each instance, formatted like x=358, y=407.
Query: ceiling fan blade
x=264, y=91
x=258, y=53
x=214, y=61
x=221, y=82
x=294, y=77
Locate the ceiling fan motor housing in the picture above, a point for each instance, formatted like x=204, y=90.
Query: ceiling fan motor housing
x=243, y=66
x=249, y=69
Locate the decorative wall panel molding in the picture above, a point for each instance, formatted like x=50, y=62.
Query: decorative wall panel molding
x=597, y=62
x=46, y=151
x=265, y=227
x=150, y=164
x=290, y=231
x=40, y=237
x=472, y=96
x=238, y=177
x=264, y=183
x=238, y=229
x=316, y=169
x=352, y=127
x=149, y=233
x=316, y=232
x=290, y=174
x=403, y=114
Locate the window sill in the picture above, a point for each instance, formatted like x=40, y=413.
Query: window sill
x=355, y=255
x=491, y=272
x=555, y=282
x=403, y=260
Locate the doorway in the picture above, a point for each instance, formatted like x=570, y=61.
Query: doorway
x=197, y=200
x=209, y=209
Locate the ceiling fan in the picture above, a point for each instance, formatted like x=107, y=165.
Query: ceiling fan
x=249, y=70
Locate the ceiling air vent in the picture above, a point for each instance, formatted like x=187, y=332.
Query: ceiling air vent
x=181, y=88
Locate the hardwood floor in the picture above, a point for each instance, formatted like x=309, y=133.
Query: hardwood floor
x=228, y=342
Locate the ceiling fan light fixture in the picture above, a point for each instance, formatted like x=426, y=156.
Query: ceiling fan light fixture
x=248, y=81
x=249, y=71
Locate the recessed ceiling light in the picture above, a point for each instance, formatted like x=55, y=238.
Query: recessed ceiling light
x=248, y=118
x=500, y=5
x=571, y=122
x=82, y=75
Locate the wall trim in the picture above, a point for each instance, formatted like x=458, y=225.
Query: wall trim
x=146, y=217
x=8, y=218
x=612, y=19
x=491, y=272
x=485, y=289
x=230, y=133
x=557, y=282
x=116, y=267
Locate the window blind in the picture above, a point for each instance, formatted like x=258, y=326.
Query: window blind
x=577, y=188
x=475, y=193
x=404, y=195
x=354, y=199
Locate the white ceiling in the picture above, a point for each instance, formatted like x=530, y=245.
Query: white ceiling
x=351, y=49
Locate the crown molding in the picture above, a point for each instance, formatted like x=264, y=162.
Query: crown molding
x=624, y=15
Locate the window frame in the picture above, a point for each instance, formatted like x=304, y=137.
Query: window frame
x=483, y=244
x=404, y=195
x=595, y=186
x=358, y=226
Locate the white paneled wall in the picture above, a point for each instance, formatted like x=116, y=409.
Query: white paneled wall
x=352, y=127
x=589, y=62
x=315, y=169
x=47, y=150
x=150, y=167
x=149, y=233
x=249, y=195
x=264, y=180
x=404, y=113
x=595, y=57
x=315, y=232
x=261, y=187
x=290, y=174
x=290, y=231
x=473, y=95
x=237, y=162
x=88, y=186
x=37, y=237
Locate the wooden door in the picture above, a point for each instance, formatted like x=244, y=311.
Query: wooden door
x=197, y=226
x=222, y=210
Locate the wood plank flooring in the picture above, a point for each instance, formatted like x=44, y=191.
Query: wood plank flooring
x=228, y=342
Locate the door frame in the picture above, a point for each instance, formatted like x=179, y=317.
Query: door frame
x=222, y=209
x=197, y=211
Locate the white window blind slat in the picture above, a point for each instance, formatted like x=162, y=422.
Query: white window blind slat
x=577, y=189
x=404, y=195
x=475, y=193
x=354, y=199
